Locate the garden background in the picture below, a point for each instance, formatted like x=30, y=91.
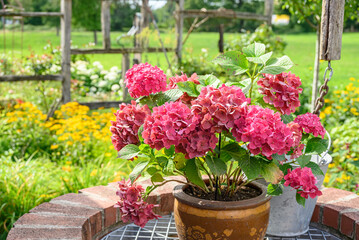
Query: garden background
x=43, y=158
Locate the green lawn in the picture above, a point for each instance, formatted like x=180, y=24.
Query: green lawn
x=300, y=49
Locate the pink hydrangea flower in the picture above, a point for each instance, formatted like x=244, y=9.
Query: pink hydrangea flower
x=196, y=142
x=185, y=98
x=220, y=108
x=281, y=91
x=143, y=79
x=311, y=124
x=302, y=179
x=128, y=120
x=297, y=137
x=265, y=132
x=167, y=125
x=174, y=124
x=131, y=205
x=183, y=78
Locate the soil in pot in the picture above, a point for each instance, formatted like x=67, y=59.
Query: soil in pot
x=201, y=219
x=246, y=192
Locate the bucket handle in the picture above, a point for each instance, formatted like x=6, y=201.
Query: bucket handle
x=322, y=161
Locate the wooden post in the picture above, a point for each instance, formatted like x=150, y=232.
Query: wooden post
x=141, y=23
x=125, y=67
x=179, y=28
x=332, y=29
x=268, y=11
x=136, y=43
x=316, y=71
x=66, y=10
x=221, y=38
x=106, y=23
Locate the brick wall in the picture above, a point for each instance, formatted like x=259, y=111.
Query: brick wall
x=90, y=214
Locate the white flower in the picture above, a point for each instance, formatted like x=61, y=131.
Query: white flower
x=98, y=65
x=94, y=77
x=111, y=76
x=102, y=83
x=103, y=72
x=114, y=69
x=115, y=87
x=93, y=89
x=204, y=50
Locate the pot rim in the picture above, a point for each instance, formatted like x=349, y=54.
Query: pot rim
x=183, y=197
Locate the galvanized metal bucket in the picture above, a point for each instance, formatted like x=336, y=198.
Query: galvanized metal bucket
x=287, y=217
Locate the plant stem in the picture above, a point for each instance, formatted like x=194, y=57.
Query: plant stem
x=219, y=156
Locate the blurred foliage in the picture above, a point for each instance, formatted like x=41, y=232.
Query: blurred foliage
x=263, y=34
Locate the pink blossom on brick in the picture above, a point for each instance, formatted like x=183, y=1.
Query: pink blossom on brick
x=266, y=133
x=128, y=120
x=144, y=79
x=167, y=124
x=131, y=205
x=282, y=91
x=310, y=123
x=220, y=107
x=303, y=180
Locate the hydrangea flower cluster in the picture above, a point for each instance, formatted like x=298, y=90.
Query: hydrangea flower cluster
x=266, y=133
x=303, y=180
x=174, y=124
x=220, y=107
x=297, y=137
x=183, y=78
x=185, y=98
x=128, y=120
x=144, y=79
x=131, y=205
x=281, y=91
x=197, y=142
x=167, y=124
x=310, y=123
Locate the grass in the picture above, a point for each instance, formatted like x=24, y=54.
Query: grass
x=300, y=48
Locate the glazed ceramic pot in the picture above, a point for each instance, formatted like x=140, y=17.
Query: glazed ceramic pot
x=200, y=219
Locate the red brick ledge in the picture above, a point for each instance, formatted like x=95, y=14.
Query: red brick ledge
x=90, y=214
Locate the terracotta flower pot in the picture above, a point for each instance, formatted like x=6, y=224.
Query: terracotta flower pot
x=199, y=219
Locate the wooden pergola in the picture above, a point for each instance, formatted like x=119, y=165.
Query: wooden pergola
x=66, y=14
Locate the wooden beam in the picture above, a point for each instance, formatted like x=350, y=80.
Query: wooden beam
x=221, y=38
x=66, y=9
x=223, y=13
x=18, y=78
x=119, y=50
x=331, y=29
x=96, y=105
x=268, y=10
x=179, y=16
x=30, y=14
x=106, y=23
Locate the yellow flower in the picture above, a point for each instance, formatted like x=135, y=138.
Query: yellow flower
x=326, y=179
x=331, y=165
x=108, y=154
x=352, y=79
x=66, y=168
x=54, y=147
x=322, y=115
x=340, y=180
x=93, y=173
x=68, y=162
x=69, y=143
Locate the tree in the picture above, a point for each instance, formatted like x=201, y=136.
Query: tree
x=87, y=14
x=52, y=6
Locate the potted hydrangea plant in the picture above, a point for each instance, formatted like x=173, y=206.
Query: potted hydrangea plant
x=219, y=136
